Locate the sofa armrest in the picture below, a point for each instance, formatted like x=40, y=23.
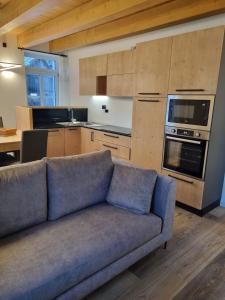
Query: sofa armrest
x=163, y=204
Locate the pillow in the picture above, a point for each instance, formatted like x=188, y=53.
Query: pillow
x=76, y=182
x=132, y=188
x=23, y=196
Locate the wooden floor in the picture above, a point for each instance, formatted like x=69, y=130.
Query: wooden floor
x=192, y=267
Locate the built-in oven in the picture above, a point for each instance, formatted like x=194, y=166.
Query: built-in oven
x=185, y=151
x=190, y=111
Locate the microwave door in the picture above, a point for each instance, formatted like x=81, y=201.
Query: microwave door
x=189, y=112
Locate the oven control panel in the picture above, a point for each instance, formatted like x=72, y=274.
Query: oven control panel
x=185, y=132
x=198, y=134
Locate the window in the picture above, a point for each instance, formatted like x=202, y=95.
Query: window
x=41, y=79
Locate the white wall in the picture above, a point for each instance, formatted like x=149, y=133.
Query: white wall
x=120, y=109
x=12, y=84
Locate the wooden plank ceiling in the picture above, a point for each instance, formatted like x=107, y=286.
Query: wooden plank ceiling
x=67, y=24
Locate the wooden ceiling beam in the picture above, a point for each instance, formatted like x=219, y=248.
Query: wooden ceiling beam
x=174, y=12
x=16, y=13
x=88, y=15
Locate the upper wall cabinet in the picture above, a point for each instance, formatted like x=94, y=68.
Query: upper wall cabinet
x=196, y=61
x=153, y=67
x=121, y=63
x=93, y=71
x=120, y=74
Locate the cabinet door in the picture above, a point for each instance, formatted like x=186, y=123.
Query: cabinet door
x=72, y=141
x=88, y=142
x=56, y=143
x=196, y=61
x=148, y=132
x=120, y=85
x=90, y=69
x=153, y=67
x=149, y=117
x=101, y=65
x=121, y=63
x=87, y=76
x=188, y=190
x=147, y=153
x=116, y=150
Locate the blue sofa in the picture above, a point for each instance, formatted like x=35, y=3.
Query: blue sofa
x=60, y=239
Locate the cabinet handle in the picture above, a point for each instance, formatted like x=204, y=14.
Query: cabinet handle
x=148, y=100
x=53, y=130
x=111, y=147
x=190, y=90
x=184, y=180
x=92, y=136
x=113, y=136
x=148, y=93
x=72, y=129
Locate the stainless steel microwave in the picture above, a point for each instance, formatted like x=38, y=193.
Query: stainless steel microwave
x=190, y=111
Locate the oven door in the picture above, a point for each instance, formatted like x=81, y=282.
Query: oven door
x=184, y=155
x=190, y=111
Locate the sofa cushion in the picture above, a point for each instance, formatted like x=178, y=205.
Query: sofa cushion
x=45, y=261
x=23, y=196
x=132, y=188
x=76, y=182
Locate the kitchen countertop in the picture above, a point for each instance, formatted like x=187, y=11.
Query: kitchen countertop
x=101, y=127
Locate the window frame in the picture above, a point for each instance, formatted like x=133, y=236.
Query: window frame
x=43, y=72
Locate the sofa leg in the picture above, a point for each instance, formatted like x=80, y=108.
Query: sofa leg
x=165, y=245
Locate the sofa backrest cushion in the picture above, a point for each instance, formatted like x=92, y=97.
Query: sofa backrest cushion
x=132, y=188
x=76, y=182
x=23, y=196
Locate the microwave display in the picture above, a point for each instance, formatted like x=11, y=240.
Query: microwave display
x=192, y=112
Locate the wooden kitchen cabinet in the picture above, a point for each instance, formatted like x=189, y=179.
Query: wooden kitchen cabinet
x=87, y=76
x=113, y=138
x=56, y=142
x=149, y=117
x=195, y=61
x=148, y=132
x=188, y=190
x=153, y=67
x=72, y=141
x=93, y=71
x=121, y=63
x=116, y=150
x=120, y=85
x=88, y=142
x=147, y=153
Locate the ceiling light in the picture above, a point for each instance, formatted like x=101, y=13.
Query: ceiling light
x=8, y=66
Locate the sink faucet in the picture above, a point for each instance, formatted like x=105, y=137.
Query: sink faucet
x=73, y=120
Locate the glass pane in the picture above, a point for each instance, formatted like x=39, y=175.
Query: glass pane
x=49, y=91
x=33, y=89
x=40, y=63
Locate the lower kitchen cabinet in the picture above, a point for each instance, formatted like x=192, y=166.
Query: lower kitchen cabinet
x=72, y=141
x=88, y=142
x=189, y=191
x=56, y=142
x=116, y=150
